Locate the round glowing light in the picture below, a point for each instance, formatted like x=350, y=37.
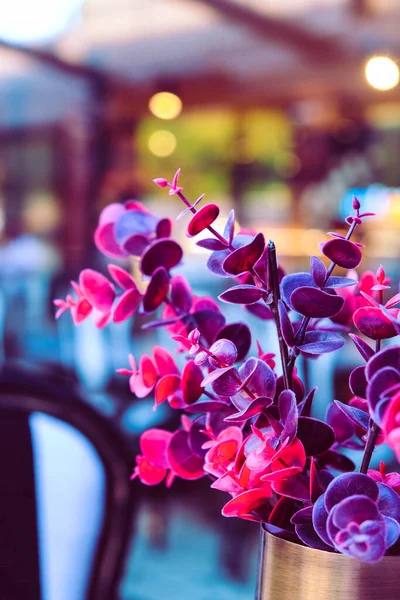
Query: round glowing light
x=165, y=105
x=162, y=143
x=382, y=73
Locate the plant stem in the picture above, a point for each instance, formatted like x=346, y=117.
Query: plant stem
x=372, y=436
x=306, y=320
x=274, y=286
x=219, y=237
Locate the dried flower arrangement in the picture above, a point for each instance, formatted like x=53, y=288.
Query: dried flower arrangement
x=245, y=427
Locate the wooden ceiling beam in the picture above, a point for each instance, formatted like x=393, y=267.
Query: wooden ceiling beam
x=48, y=59
x=314, y=47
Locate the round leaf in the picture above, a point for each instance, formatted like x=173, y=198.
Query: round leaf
x=342, y=252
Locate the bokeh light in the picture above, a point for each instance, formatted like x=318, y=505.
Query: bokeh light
x=40, y=21
x=165, y=105
x=162, y=143
x=382, y=73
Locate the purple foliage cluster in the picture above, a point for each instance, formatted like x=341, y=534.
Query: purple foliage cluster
x=245, y=423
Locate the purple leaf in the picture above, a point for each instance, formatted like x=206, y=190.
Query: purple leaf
x=319, y=520
x=229, y=229
x=350, y=484
x=208, y=322
x=163, y=229
x=340, y=282
x=242, y=294
x=135, y=244
x=225, y=351
x=181, y=294
x=335, y=460
x=320, y=342
x=388, y=357
x=258, y=377
x=358, y=382
x=384, y=379
x=314, y=303
x=372, y=322
x=215, y=262
x=244, y=258
x=181, y=458
x=286, y=324
x=315, y=435
x=305, y=406
x=287, y=405
x=134, y=221
x=197, y=437
x=342, y=252
x=105, y=241
x=344, y=429
x=191, y=383
x=157, y=290
x=364, y=349
x=254, y=408
x=202, y=219
x=388, y=502
x=161, y=253
x=240, y=335
x=228, y=379
x=162, y=322
x=260, y=310
x=318, y=270
x=206, y=406
x=357, y=416
x=211, y=244
x=290, y=283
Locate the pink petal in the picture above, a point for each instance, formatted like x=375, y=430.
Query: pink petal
x=165, y=387
x=148, y=371
x=164, y=361
x=106, y=242
x=122, y=277
x=154, y=444
x=81, y=311
x=202, y=219
x=126, y=305
x=147, y=473
x=182, y=461
x=110, y=213
x=97, y=289
x=101, y=319
x=246, y=503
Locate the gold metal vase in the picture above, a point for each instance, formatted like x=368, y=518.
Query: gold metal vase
x=289, y=571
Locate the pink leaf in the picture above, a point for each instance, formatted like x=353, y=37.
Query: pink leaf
x=166, y=386
x=105, y=241
x=202, y=219
x=244, y=258
x=161, y=253
x=154, y=444
x=97, y=289
x=183, y=462
x=122, y=277
x=157, y=290
x=126, y=305
x=342, y=252
x=245, y=503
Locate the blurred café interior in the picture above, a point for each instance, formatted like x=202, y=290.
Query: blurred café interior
x=281, y=109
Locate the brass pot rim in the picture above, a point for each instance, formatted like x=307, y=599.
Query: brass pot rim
x=336, y=556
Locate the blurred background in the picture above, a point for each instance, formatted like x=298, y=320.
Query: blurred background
x=281, y=109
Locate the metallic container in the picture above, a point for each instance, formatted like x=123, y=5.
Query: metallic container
x=289, y=571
